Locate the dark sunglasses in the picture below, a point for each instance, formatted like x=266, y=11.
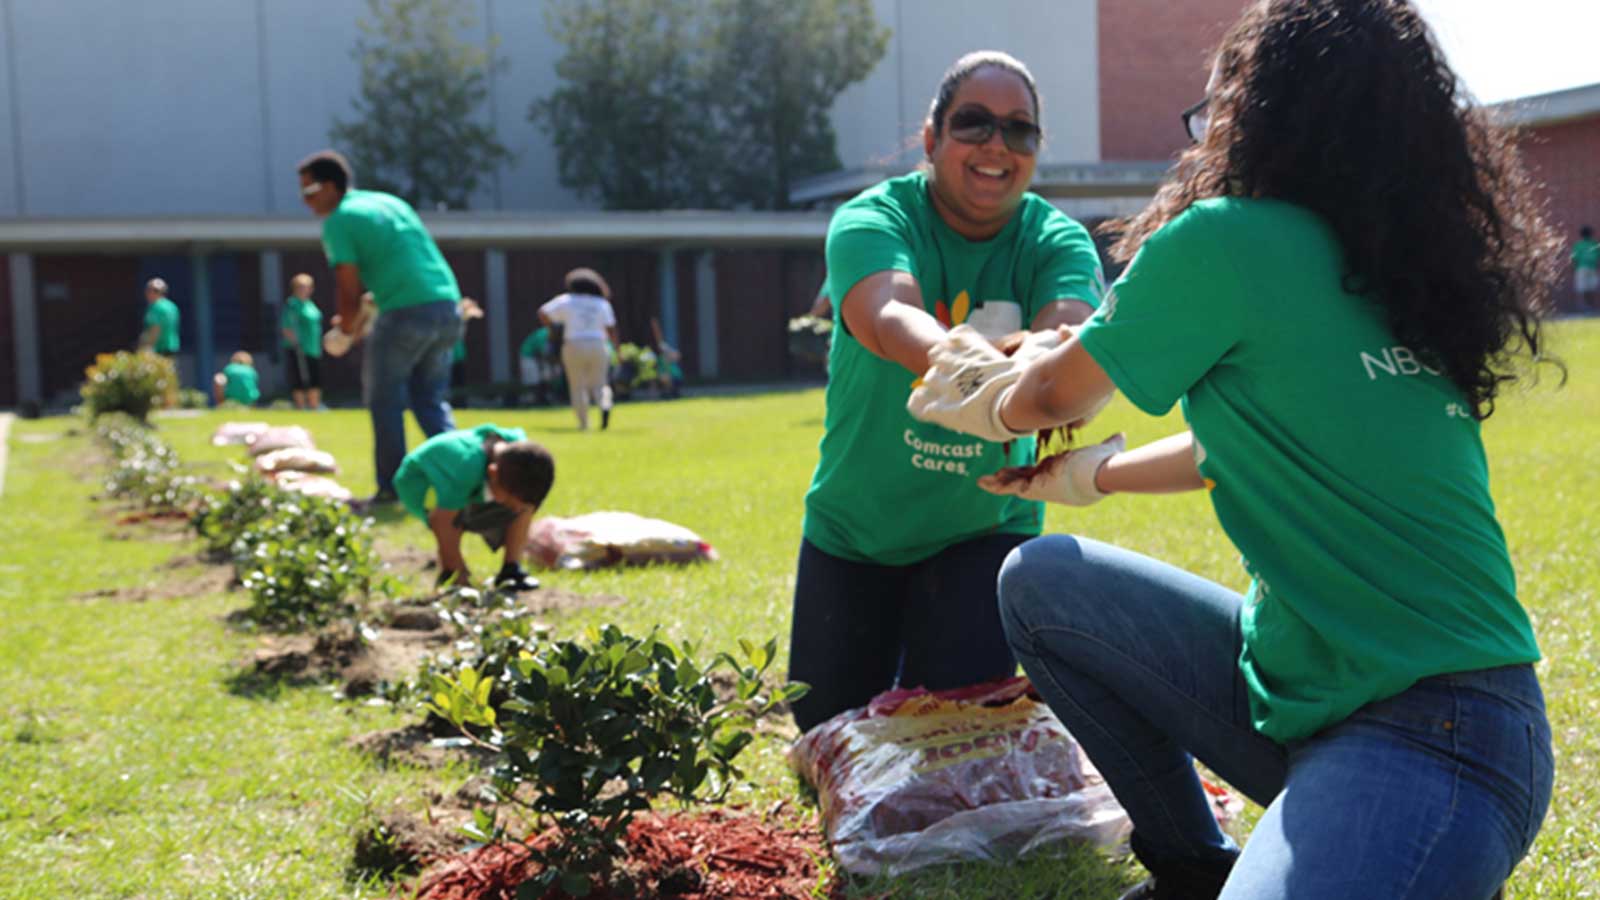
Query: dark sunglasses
x=1196, y=119
x=973, y=125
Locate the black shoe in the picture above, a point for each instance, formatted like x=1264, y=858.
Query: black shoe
x=605, y=419
x=513, y=578
x=1181, y=880
x=384, y=497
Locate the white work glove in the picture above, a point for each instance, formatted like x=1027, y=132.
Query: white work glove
x=336, y=342
x=1038, y=343
x=965, y=383
x=1064, y=478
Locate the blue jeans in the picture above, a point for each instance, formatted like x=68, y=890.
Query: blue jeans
x=861, y=628
x=407, y=363
x=1434, y=793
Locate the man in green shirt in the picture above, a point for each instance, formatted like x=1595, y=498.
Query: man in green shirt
x=1586, y=268
x=376, y=239
x=301, y=326
x=160, y=320
x=488, y=480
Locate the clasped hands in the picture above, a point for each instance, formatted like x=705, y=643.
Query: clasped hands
x=967, y=383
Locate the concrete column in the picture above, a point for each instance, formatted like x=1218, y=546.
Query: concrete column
x=272, y=291
x=497, y=314
x=668, y=267
x=705, y=306
x=25, y=329
x=205, y=355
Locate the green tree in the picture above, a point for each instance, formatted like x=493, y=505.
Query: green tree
x=629, y=123
x=701, y=103
x=778, y=66
x=417, y=130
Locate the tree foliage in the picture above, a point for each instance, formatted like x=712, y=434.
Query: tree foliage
x=418, y=131
x=701, y=103
x=778, y=65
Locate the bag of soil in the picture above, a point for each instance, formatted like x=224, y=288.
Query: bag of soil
x=600, y=539
x=918, y=778
x=296, y=459
x=237, y=433
x=279, y=438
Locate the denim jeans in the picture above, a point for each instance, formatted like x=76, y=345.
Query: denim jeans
x=1434, y=793
x=861, y=628
x=407, y=363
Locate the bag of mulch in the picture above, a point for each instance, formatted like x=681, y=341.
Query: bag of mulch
x=919, y=778
x=312, y=485
x=600, y=539
x=279, y=438
x=237, y=433
x=296, y=459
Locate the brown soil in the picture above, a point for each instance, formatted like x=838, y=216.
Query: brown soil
x=337, y=653
x=713, y=855
x=402, y=844
x=416, y=745
x=208, y=580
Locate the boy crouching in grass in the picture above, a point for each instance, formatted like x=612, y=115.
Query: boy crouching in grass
x=237, y=381
x=487, y=480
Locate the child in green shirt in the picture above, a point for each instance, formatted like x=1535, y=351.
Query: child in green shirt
x=487, y=480
x=237, y=381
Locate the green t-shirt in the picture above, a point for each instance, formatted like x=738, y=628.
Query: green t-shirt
x=163, y=314
x=305, y=320
x=452, y=465
x=535, y=344
x=381, y=236
x=242, y=386
x=1350, y=476
x=1586, y=254
x=887, y=488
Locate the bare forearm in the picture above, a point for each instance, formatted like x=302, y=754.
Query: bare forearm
x=904, y=334
x=448, y=536
x=1166, y=466
x=1058, y=388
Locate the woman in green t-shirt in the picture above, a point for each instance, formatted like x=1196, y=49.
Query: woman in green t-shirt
x=1333, y=283
x=900, y=551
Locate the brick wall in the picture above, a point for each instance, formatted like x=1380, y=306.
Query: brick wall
x=1154, y=61
x=1565, y=159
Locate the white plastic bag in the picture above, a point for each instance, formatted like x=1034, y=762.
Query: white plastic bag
x=918, y=778
x=296, y=459
x=601, y=539
x=279, y=438
x=237, y=433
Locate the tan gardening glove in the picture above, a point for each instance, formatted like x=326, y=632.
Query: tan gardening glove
x=965, y=383
x=1066, y=478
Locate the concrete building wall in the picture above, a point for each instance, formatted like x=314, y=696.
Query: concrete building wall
x=1154, y=61
x=204, y=106
x=879, y=121
x=1563, y=158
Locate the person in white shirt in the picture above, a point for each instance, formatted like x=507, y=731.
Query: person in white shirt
x=587, y=321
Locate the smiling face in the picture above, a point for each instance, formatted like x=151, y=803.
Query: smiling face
x=977, y=187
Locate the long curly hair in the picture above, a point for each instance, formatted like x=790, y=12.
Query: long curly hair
x=1347, y=108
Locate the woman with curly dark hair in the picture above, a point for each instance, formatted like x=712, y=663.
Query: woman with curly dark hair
x=1339, y=277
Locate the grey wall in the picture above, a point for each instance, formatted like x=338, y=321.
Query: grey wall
x=166, y=107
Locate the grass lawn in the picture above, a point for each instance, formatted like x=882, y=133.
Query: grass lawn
x=132, y=766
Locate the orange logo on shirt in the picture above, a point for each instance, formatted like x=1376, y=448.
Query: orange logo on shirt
x=955, y=313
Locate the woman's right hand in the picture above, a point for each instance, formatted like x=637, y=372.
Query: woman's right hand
x=1067, y=478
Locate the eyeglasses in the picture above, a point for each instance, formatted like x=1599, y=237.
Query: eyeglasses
x=309, y=189
x=1196, y=120
x=975, y=125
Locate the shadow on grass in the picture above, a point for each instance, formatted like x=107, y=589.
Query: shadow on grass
x=1072, y=872
x=254, y=684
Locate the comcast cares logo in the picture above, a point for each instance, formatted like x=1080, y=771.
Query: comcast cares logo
x=955, y=313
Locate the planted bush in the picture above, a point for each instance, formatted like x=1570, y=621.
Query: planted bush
x=223, y=518
x=303, y=561
x=145, y=470
x=133, y=383
x=600, y=728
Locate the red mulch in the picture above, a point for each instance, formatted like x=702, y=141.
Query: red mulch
x=735, y=856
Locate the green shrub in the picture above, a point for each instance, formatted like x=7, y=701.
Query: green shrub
x=601, y=727
x=133, y=383
x=222, y=518
x=192, y=398
x=303, y=561
x=145, y=470
x=638, y=365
